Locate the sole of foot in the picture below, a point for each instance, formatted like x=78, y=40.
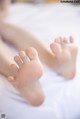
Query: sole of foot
x=65, y=55
x=26, y=77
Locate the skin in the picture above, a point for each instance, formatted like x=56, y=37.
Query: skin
x=60, y=57
x=4, y=8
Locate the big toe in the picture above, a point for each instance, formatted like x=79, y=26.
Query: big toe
x=32, y=53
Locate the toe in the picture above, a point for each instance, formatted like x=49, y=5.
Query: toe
x=32, y=53
x=11, y=79
x=61, y=42
x=22, y=56
x=56, y=48
x=18, y=60
x=57, y=40
x=63, y=45
x=14, y=69
x=71, y=39
x=60, y=38
x=65, y=40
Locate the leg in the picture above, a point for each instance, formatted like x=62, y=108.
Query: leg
x=6, y=58
x=4, y=8
x=22, y=38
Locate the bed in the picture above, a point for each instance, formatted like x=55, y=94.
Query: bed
x=62, y=96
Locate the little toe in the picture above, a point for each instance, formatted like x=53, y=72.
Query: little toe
x=14, y=69
x=18, y=60
x=71, y=39
x=56, y=48
x=11, y=79
x=32, y=53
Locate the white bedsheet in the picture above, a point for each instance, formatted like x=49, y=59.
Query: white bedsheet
x=62, y=96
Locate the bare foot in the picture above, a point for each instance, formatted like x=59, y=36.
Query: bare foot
x=65, y=54
x=27, y=75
